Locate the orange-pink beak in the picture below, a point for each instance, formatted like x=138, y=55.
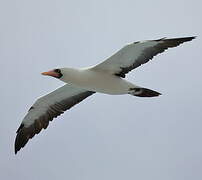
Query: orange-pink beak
x=51, y=73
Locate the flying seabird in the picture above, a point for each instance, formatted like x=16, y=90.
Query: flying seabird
x=106, y=77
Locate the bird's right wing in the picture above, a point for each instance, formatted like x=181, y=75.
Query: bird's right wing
x=45, y=109
x=134, y=55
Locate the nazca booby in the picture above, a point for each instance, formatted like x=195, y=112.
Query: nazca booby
x=106, y=77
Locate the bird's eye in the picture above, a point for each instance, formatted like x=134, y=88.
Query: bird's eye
x=57, y=70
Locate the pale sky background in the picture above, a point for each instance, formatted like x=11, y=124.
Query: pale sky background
x=104, y=137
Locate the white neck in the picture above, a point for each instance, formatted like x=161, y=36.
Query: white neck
x=70, y=75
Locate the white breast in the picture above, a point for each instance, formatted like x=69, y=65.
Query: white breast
x=96, y=81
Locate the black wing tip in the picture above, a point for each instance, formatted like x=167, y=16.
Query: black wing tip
x=182, y=39
x=173, y=42
x=16, y=151
x=189, y=38
x=17, y=147
x=26, y=133
x=20, y=140
x=192, y=37
x=17, y=139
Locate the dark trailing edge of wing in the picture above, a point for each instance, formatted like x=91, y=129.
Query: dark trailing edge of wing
x=149, y=53
x=25, y=133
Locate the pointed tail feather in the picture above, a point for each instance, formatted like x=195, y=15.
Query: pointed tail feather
x=143, y=92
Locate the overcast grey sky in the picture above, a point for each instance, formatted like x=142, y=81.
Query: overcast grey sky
x=104, y=137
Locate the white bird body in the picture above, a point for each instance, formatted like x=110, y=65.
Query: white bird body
x=97, y=81
x=106, y=77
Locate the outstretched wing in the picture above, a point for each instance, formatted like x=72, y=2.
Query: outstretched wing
x=134, y=55
x=45, y=109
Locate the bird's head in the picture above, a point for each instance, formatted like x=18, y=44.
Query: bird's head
x=56, y=73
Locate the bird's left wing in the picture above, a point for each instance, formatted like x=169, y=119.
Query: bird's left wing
x=45, y=109
x=133, y=55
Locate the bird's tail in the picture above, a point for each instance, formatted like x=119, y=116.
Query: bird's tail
x=143, y=92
